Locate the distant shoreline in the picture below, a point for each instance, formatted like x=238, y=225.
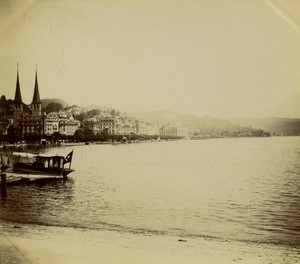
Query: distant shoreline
x=36, y=146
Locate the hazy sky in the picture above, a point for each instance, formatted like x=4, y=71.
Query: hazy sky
x=205, y=57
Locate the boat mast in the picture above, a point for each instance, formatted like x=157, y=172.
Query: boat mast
x=27, y=162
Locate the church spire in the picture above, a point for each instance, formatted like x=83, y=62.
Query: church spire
x=18, y=97
x=36, y=95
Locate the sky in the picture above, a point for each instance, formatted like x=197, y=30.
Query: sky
x=231, y=58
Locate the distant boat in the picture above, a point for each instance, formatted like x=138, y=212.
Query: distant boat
x=39, y=166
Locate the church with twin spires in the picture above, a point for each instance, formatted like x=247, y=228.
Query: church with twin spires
x=28, y=119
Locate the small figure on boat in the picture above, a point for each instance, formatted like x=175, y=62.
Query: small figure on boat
x=4, y=165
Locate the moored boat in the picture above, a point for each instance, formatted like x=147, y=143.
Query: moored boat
x=41, y=165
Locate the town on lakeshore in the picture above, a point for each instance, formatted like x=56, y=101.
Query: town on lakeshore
x=150, y=132
x=52, y=122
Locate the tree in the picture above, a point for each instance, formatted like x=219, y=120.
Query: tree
x=81, y=116
x=113, y=112
x=87, y=125
x=57, y=136
x=92, y=113
x=84, y=134
x=3, y=98
x=3, y=105
x=104, y=135
x=53, y=107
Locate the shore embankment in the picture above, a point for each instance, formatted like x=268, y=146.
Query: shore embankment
x=37, y=146
x=61, y=245
x=9, y=253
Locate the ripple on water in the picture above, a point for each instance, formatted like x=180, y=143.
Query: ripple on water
x=246, y=189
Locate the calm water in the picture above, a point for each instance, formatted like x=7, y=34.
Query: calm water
x=241, y=189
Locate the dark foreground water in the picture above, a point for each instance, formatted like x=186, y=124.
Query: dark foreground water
x=228, y=189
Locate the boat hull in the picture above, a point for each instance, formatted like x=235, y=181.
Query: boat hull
x=26, y=169
x=13, y=179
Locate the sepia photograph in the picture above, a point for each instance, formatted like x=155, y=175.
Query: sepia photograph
x=150, y=131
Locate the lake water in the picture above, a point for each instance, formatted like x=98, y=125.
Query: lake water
x=245, y=189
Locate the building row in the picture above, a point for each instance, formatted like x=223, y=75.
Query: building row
x=120, y=125
x=27, y=120
x=60, y=122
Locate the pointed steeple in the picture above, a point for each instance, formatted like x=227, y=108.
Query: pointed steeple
x=36, y=95
x=18, y=97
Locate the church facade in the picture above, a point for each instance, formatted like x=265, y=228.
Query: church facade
x=27, y=119
x=22, y=120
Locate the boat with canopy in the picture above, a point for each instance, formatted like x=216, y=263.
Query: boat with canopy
x=42, y=165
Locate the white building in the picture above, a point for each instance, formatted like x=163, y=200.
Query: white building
x=51, y=123
x=60, y=122
x=105, y=124
x=68, y=127
x=146, y=129
x=174, y=131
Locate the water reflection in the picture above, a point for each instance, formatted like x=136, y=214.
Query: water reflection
x=244, y=189
x=38, y=203
x=285, y=217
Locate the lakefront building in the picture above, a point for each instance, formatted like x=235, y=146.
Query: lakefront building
x=122, y=125
x=27, y=119
x=60, y=122
x=68, y=126
x=174, y=131
x=31, y=120
x=52, y=123
x=107, y=124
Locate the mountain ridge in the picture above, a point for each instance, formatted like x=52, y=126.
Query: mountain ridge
x=273, y=125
